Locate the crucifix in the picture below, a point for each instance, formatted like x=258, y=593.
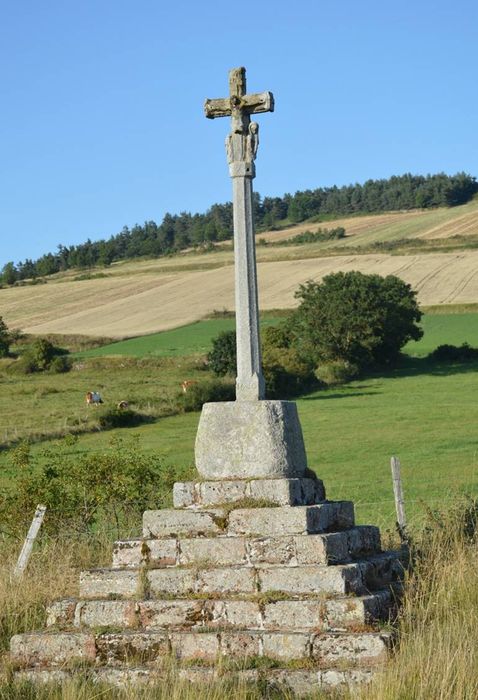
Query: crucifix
x=241, y=148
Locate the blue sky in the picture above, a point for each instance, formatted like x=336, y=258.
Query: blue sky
x=101, y=123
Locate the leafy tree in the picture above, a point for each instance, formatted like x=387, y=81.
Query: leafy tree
x=222, y=358
x=362, y=319
x=9, y=273
x=5, y=339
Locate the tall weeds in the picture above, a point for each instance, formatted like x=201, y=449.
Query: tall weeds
x=437, y=654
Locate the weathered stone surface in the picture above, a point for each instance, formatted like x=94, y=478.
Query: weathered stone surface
x=168, y=523
x=283, y=492
x=133, y=647
x=250, y=439
x=54, y=649
x=367, y=648
x=61, y=612
x=340, y=579
x=240, y=644
x=177, y=582
x=287, y=520
x=161, y=552
x=107, y=613
x=171, y=613
x=195, y=646
x=233, y=613
x=226, y=580
x=286, y=646
x=109, y=583
x=220, y=551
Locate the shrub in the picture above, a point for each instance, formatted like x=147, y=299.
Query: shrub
x=79, y=490
x=5, y=339
x=362, y=319
x=336, y=372
x=42, y=355
x=286, y=373
x=453, y=353
x=120, y=418
x=223, y=357
x=205, y=392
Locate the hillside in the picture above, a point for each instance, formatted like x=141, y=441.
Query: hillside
x=141, y=297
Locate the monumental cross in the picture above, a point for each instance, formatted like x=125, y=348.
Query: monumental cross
x=241, y=149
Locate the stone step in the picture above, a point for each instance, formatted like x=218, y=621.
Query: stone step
x=328, y=516
x=357, y=577
x=140, y=646
x=326, y=548
x=282, y=492
x=298, y=682
x=260, y=613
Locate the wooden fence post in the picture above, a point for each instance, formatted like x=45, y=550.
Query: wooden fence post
x=399, y=500
x=30, y=539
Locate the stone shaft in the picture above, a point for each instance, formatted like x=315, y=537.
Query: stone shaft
x=250, y=382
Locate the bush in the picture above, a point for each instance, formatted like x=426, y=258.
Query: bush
x=120, y=418
x=357, y=318
x=205, y=392
x=5, y=339
x=453, y=353
x=60, y=364
x=223, y=357
x=79, y=490
x=286, y=373
x=336, y=372
x=41, y=356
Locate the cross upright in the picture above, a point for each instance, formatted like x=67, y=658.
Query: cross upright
x=241, y=148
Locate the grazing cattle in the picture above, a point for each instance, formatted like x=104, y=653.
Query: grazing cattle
x=122, y=405
x=187, y=383
x=93, y=398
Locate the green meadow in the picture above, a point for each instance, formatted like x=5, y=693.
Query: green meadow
x=426, y=414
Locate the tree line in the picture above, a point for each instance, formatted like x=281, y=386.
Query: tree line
x=180, y=231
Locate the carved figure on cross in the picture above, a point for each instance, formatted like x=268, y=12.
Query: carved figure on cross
x=241, y=149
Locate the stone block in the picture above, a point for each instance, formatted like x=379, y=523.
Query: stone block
x=226, y=580
x=177, y=582
x=297, y=520
x=250, y=439
x=339, y=580
x=109, y=583
x=129, y=553
x=219, y=551
x=349, y=678
x=171, y=613
x=354, y=649
x=363, y=610
x=170, y=523
x=131, y=647
x=245, y=614
x=240, y=644
x=107, y=613
x=186, y=645
x=61, y=612
x=55, y=649
x=283, y=492
x=286, y=645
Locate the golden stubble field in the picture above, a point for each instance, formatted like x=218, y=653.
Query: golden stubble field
x=142, y=297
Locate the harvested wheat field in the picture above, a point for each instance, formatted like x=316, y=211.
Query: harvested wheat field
x=136, y=304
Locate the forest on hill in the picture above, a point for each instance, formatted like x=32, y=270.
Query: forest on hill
x=180, y=231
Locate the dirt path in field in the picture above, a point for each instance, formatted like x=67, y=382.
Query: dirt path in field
x=120, y=306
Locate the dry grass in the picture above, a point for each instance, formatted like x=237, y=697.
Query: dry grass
x=437, y=657
x=145, y=296
x=141, y=304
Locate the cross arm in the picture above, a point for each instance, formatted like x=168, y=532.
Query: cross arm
x=251, y=104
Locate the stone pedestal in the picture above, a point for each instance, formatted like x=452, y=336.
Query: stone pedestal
x=250, y=440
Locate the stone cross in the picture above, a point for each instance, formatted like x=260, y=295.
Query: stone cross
x=241, y=149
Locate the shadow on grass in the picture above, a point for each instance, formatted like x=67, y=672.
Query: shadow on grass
x=407, y=366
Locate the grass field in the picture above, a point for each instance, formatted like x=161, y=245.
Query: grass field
x=350, y=432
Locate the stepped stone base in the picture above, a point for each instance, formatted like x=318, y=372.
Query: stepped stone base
x=291, y=581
